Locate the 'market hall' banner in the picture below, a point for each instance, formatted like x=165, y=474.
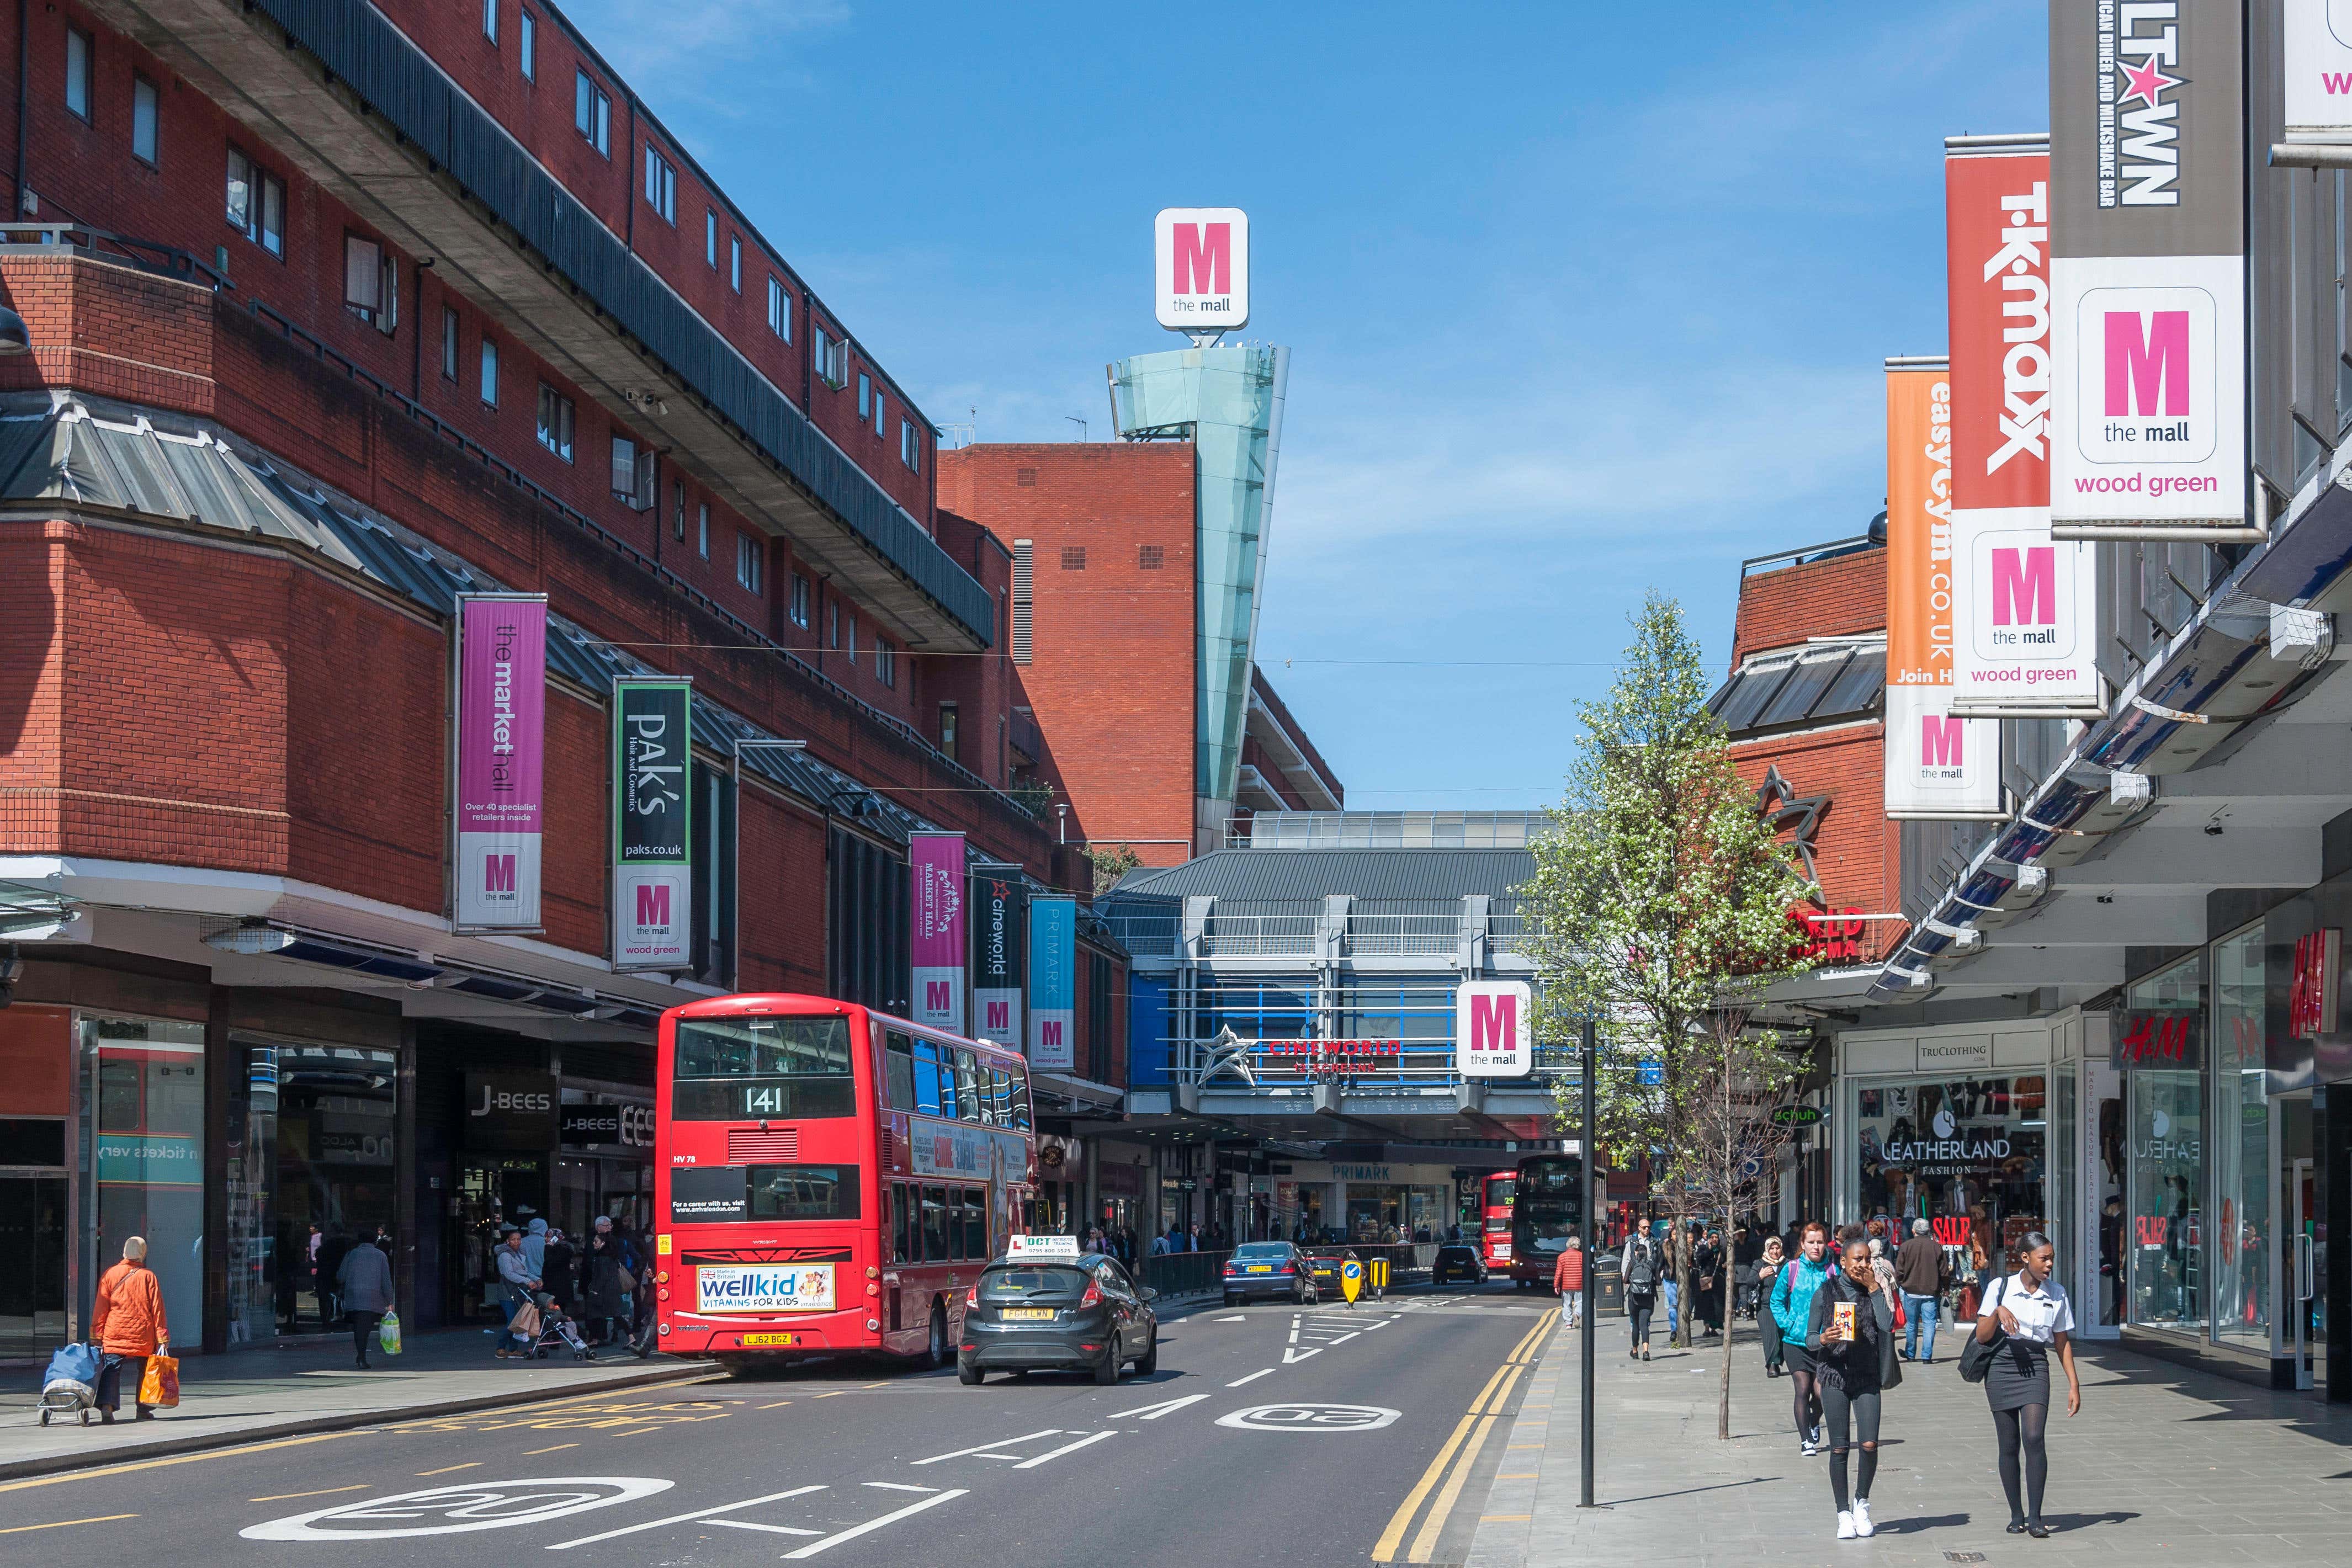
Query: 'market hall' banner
x=1000, y=949
x=1938, y=764
x=935, y=922
x=653, y=869
x=501, y=754
x=2147, y=270
x=2024, y=605
x=1052, y=981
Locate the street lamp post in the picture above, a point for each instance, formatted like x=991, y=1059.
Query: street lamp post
x=1590, y=1066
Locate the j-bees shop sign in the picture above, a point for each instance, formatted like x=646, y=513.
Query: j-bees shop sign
x=510, y=1111
x=628, y=1126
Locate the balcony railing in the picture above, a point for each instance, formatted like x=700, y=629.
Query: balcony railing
x=1261, y=936
x=1406, y=936
x=1146, y=935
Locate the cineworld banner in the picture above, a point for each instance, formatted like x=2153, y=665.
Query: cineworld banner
x=653, y=863
x=1938, y=764
x=1052, y=981
x=2024, y=603
x=935, y=920
x=1000, y=930
x=2147, y=270
x=501, y=754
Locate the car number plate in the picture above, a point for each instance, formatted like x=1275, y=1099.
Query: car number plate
x=1028, y=1314
x=1258, y=1269
x=771, y=1339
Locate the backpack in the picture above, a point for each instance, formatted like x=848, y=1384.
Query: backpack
x=1642, y=1271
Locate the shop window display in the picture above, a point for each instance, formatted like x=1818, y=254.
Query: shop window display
x=1964, y=1154
x=2159, y=1039
x=2242, y=1151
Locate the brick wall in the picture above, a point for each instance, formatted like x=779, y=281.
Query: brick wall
x=1842, y=597
x=1857, y=852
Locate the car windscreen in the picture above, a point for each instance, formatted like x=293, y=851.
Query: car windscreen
x=752, y=1068
x=1027, y=1282
x=1262, y=1250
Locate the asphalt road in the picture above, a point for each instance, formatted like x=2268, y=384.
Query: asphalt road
x=1268, y=1435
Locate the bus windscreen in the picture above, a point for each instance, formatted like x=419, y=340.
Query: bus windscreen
x=755, y=1069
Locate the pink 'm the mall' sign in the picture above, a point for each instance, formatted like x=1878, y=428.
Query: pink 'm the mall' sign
x=501, y=712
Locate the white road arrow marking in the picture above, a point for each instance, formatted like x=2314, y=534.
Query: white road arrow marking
x=1289, y=1356
x=1065, y=1449
x=700, y=1513
x=986, y=1451
x=1153, y=1412
x=855, y=1530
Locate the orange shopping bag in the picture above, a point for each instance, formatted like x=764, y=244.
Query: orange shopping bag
x=161, y=1385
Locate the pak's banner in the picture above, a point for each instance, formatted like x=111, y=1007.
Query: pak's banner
x=1052, y=981
x=2147, y=270
x=1938, y=765
x=935, y=874
x=653, y=860
x=501, y=758
x=2024, y=603
x=1000, y=949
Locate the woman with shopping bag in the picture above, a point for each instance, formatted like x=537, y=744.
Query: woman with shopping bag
x=128, y=1322
x=363, y=1279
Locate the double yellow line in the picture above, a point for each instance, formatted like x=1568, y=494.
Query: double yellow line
x=1461, y=1451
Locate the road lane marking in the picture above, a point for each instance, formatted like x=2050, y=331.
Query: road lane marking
x=104, y=1470
x=1441, y=1509
x=559, y=1447
x=322, y=1491
x=770, y=1529
x=888, y=1486
x=777, y=1405
x=1384, y=1550
x=62, y=1524
x=682, y=1517
x=1253, y=1377
x=1236, y=1318
x=1391, y=1537
x=1165, y=1408
x=855, y=1530
x=1495, y=1404
x=469, y=1465
x=1065, y=1449
x=983, y=1452
x=1294, y=1355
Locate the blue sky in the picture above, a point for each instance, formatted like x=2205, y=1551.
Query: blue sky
x=1583, y=299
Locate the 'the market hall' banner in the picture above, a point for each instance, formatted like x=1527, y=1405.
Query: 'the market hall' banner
x=501, y=727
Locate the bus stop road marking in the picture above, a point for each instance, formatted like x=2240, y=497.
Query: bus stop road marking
x=699, y=1513
x=855, y=1530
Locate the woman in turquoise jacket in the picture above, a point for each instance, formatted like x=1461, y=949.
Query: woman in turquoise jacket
x=1792, y=1308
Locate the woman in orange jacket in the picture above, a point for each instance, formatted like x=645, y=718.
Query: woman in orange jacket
x=128, y=1325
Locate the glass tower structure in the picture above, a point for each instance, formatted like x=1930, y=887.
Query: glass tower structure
x=1228, y=400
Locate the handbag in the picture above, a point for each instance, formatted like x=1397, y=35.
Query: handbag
x=1976, y=1354
x=160, y=1386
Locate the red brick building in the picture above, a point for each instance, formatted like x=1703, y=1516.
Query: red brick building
x=338, y=312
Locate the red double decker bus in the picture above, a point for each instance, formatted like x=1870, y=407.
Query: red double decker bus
x=828, y=1178
x=1494, y=1217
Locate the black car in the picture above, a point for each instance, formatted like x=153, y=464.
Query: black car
x=1268, y=1269
x=1078, y=1314
x=1458, y=1260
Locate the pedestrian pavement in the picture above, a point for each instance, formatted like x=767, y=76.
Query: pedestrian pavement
x=2164, y=1465
x=305, y=1385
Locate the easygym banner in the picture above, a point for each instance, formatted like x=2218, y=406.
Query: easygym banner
x=501, y=756
x=1000, y=930
x=1937, y=765
x=935, y=917
x=2023, y=604
x=1052, y=981
x=2147, y=270
x=653, y=863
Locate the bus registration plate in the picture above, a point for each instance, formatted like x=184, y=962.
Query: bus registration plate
x=751, y=1340
x=765, y=1287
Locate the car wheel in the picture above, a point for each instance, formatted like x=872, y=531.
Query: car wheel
x=935, y=1353
x=1106, y=1369
x=1149, y=1361
x=970, y=1376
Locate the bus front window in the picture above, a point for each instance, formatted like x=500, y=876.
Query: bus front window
x=757, y=1069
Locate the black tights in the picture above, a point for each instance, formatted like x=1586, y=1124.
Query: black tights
x=1808, y=1400
x=1639, y=1309
x=1851, y=1416
x=2022, y=1428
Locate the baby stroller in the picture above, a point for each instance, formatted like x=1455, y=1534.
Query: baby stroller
x=69, y=1387
x=557, y=1330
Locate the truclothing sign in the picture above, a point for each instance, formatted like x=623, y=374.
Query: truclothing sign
x=653, y=862
x=1938, y=764
x=1000, y=930
x=501, y=719
x=2024, y=605
x=934, y=876
x=2148, y=269
x=1052, y=981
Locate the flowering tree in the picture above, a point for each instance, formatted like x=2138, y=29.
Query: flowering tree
x=1661, y=907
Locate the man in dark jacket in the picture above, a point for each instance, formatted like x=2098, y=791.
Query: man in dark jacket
x=1919, y=1274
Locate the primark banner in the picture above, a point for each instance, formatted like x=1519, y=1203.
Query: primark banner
x=934, y=876
x=999, y=948
x=653, y=838
x=501, y=758
x=2024, y=602
x=1052, y=981
x=1938, y=765
x=2147, y=270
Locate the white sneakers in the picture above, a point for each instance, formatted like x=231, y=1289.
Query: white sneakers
x=1809, y=1447
x=1846, y=1525
x=1862, y=1526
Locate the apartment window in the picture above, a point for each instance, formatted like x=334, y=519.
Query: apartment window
x=832, y=623
x=527, y=45
x=78, y=53
x=633, y=474
x=910, y=445
x=780, y=314
x=1023, y=599
x=947, y=714
x=879, y=403
x=865, y=395
x=800, y=602
x=489, y=372
x=1074, y=558
x=885, y=661
x=677, y=511
x=555, y=418
x=257, y=204
x=490, y=20
x=849, y=636
x=145, y=109
x=592, y=113
x=747, y=560
x=831, y=357
x=448, y=344
x=702, y=530
x=735, y=262
x=711, y=238
x=1149, y=558
x=661, y=184
x=370, y=284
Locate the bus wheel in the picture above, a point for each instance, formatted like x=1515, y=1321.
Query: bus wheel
x=935, y=1355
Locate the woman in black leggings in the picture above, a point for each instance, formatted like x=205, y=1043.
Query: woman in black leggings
x=2026, y=1314
x=1851, y=1335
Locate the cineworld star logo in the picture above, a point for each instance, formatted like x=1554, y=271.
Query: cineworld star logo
x=2139, y=104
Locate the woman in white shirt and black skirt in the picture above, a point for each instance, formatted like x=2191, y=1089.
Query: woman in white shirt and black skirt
x=2024, y=1316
